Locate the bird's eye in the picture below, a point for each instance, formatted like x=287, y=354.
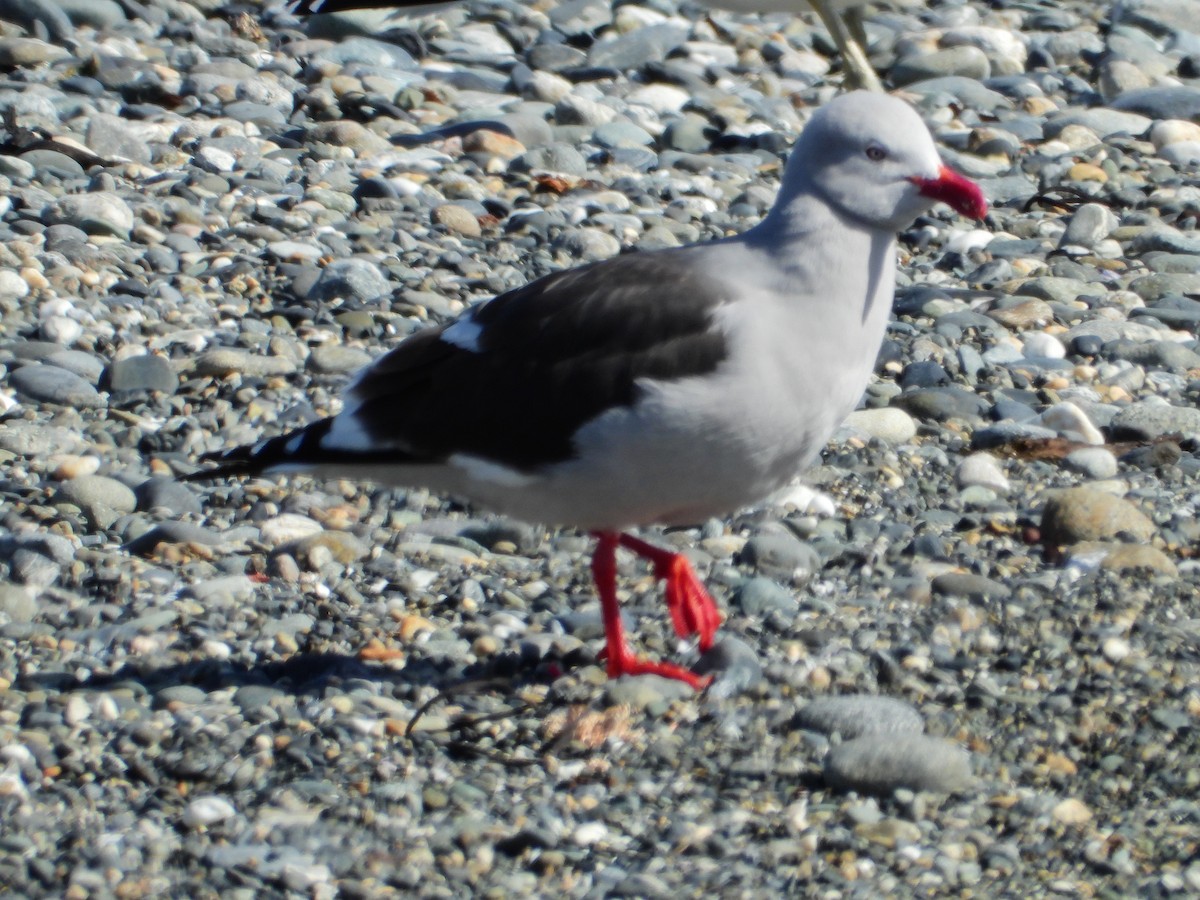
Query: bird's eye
x=875, y=153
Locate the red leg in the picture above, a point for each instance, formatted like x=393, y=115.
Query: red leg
x=619, y=658
x=692, y=609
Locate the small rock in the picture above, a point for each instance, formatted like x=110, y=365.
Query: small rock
x=20, y=53
x=102, y=499
x=888, y=424
x=99, y=212
x=1153, y=418
x=1090, y=224
x=883, y=762
x=1086, y=514
x=50, y=384
x=1115, y=649
x=350, y=279
x=982, y=470
x=1139, y=558
x=1096, y=463
x=1071, y=422
x=781, y=554
x=234, y=361
x=973, y=587
x=169, y=494
x=855, y=715
x=142, y=373
x=1026, y=315
x=456, y=220
x=66, y=467
x=760, y=596
x=1071, y=812
x=336, y=359
x=652, y=693
x=889, y=832
x=734, y=665
x=18, y=603
x=287, y=527
x=203, y=811
x=344, y=547
x=1039, y=345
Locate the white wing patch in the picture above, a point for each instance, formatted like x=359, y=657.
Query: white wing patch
x=480, y=469
x=464, y=334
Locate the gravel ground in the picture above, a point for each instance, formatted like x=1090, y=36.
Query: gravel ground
x=959, y=660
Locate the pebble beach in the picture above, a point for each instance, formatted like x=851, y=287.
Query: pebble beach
x=960, y=656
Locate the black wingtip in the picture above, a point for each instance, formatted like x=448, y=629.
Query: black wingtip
x=235, y=462
x=295, y=448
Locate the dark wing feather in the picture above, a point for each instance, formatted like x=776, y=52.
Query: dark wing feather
x=552, y=355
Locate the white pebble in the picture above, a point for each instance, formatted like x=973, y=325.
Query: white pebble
x=1115, y=649
x=287, y=527
x=589, y=833
x=17, y=754
x=1173, y=131
x=76, y=711
x=1071, y=422
x=207, y=811
x=662, y=98
x=13, y=785
x=69, y=465
x=60, y=330
x=216, y=649
x=889, y=424
x=1039, y=345
x=12, y=285
x=806, y=500
x=1094, y=462
x=964, y=242
x=107, y=709
x=981, y=470
x=214, y=159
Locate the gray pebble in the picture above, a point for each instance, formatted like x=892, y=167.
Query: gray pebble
x=881, y=763
x=733, y=663
x=1149, y=419
x=50, y=384
x=235, y=361
x=169, y=494
x=336, y=359
x=854, y=715
x=1096, y=463
x=760, y=596
x=973, y=587
x=18, y=603
x=102, y=499
x=1089, y=225
x=142, y=373
x=100, y=212
x=350, y=279
x=652, y=693
x=780, y=554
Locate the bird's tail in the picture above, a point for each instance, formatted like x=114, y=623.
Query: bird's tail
x=295, y=450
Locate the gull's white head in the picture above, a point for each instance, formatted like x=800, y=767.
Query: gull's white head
x=872, y=158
